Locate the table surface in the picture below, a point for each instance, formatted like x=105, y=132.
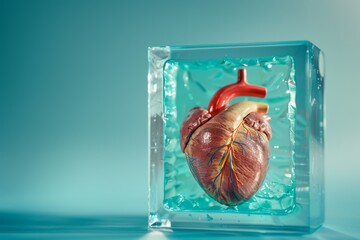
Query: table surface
x=20, y=226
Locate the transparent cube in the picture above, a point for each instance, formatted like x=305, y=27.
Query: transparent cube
x=291, y=197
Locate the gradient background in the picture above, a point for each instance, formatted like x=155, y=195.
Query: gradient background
x=73, y=95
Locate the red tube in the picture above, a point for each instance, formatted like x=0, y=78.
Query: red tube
x=221, y=98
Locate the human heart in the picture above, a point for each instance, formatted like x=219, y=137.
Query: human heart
x=227, y=147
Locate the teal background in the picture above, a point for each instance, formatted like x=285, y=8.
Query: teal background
x=73, y=95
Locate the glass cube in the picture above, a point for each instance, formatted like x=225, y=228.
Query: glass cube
x=290, y=196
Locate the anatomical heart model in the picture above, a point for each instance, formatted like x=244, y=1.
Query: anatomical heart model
x=227, y=147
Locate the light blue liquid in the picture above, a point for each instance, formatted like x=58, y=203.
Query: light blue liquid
x=192, y=83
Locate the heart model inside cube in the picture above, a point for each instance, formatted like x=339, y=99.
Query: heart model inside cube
x=227, y=147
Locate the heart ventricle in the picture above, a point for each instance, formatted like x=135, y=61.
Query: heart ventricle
x=228, y=153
